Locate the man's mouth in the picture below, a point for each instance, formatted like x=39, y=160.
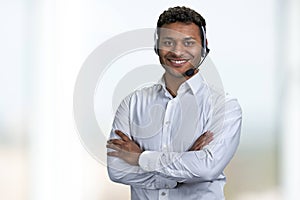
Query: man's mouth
x=178, y=62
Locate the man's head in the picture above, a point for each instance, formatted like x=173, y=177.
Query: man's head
x=180, y=39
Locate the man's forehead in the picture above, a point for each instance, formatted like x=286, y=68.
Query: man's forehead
x=181, y=37
x=174, y=35
x=179, y=30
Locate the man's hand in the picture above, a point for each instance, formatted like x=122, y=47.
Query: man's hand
x=203, y=140
x=125, y=148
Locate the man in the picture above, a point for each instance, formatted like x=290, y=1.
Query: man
x=174, y=139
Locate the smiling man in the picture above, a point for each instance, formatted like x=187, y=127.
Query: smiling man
x=179, y=51
x=174, y=139
x=179, y=47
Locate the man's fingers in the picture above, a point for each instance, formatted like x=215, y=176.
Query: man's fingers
x=200, y=146
x=114, y=147
x=202, y=141
x=113, y=153
x=204, y=136
x=208, y=134
x=116, y=141
x=193, y=147
x=122, y=135
x=209, y=139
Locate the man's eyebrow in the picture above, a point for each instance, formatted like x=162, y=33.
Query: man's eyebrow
x=168, y=38
x=189, y=38
x=186, y=38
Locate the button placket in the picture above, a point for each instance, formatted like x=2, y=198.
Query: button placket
x=163, y=194
x=166, y=124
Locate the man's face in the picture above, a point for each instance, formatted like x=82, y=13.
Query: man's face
x=179, y=47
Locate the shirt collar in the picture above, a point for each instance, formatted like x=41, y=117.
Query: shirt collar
x=194, y=84
x=162, y=83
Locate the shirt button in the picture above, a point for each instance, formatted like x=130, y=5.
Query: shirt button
x=163, y=193
x=167, y=122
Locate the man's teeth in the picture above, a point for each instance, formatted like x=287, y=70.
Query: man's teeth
x=178, y=61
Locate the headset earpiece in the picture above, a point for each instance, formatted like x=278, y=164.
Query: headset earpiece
x=156, y=41
x=204, y=50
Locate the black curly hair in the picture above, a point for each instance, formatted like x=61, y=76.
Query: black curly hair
x=182, y=14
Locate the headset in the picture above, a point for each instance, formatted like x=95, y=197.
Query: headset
x=204, y=51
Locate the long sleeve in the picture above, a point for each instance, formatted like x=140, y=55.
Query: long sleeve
x=120, y=171
x=207, y=164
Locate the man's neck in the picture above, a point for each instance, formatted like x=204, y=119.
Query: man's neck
x=173, y=83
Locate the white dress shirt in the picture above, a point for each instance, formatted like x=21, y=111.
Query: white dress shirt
x=165, y=128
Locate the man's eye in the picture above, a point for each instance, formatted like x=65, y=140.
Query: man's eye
x=168, y=43
x=189, y=43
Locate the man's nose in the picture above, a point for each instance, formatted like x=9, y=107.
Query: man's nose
x=178, y=49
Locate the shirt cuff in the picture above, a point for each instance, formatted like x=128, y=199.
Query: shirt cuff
x=148, y=160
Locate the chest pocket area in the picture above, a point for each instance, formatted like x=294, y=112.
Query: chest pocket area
x=146, y=125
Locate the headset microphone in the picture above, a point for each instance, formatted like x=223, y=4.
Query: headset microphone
x=190, y=72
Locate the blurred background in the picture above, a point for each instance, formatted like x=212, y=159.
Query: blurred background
x=254, y=45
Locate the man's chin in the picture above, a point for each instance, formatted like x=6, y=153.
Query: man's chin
x=174, y=73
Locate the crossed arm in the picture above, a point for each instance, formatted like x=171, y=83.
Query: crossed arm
x=205, y=160
x=129, y=151
x=123, y=163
